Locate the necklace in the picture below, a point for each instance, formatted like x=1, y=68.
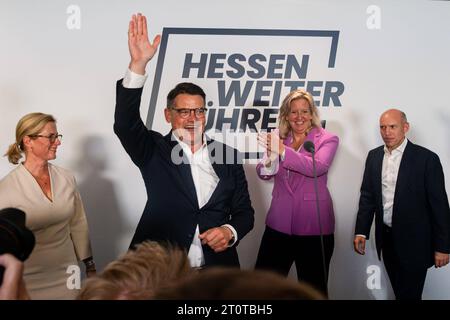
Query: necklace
x=42, y=181
x=44, y=184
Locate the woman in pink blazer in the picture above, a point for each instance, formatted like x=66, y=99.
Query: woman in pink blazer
x=292, y=231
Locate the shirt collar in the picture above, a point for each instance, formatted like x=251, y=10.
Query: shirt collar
x=400, y=148
x=186, y=148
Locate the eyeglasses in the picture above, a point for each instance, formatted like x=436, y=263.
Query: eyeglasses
x=185, y=113
x=52, y=138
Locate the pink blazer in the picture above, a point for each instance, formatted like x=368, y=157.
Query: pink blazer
x=293, y=207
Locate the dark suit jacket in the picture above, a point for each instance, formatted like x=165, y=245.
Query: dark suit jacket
x=421, y=214
x=172, y=212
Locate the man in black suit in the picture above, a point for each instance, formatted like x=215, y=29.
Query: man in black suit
x=195, y=199
x=404, y=187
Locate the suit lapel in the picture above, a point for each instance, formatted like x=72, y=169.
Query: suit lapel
x=218, y=158
x=378, y=168
x=285, y=179
x=403, y=173
x=183, y=175
x=313, y=136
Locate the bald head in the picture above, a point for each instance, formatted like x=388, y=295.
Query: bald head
x=393, y=128
x=395, y=113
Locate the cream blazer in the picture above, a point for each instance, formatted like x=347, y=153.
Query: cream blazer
x=60, y=228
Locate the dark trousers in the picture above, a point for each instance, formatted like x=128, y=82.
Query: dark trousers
x=407, y=281
x=278, y=251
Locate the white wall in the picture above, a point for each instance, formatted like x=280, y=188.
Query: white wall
x=71, y=74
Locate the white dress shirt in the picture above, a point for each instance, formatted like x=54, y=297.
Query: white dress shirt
x=389, y=173
x=204, y=177
x=205, y=182
x=132, y=80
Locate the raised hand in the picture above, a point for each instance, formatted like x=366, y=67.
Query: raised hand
x=271, y=142
x=141, y=50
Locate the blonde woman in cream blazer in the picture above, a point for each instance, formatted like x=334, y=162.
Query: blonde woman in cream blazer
x=54, y=211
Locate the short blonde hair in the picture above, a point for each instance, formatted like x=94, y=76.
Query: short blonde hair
x=29, y=125
x=137, y=274
x=285, y=108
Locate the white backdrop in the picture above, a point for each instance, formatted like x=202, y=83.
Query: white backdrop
x=399, y=60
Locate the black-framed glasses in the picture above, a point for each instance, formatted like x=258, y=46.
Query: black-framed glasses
x=52, y=138
x=185, y=113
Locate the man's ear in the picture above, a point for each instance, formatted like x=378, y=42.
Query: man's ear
x=405, y=127
x=167, y=115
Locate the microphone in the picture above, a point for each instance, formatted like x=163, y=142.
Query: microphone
x=309, y=146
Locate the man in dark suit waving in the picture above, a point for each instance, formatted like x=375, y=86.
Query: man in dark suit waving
x=196, y=199
x=404, y=187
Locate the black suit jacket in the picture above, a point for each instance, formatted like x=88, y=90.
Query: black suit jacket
x=172, y=213
x=421, y=214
